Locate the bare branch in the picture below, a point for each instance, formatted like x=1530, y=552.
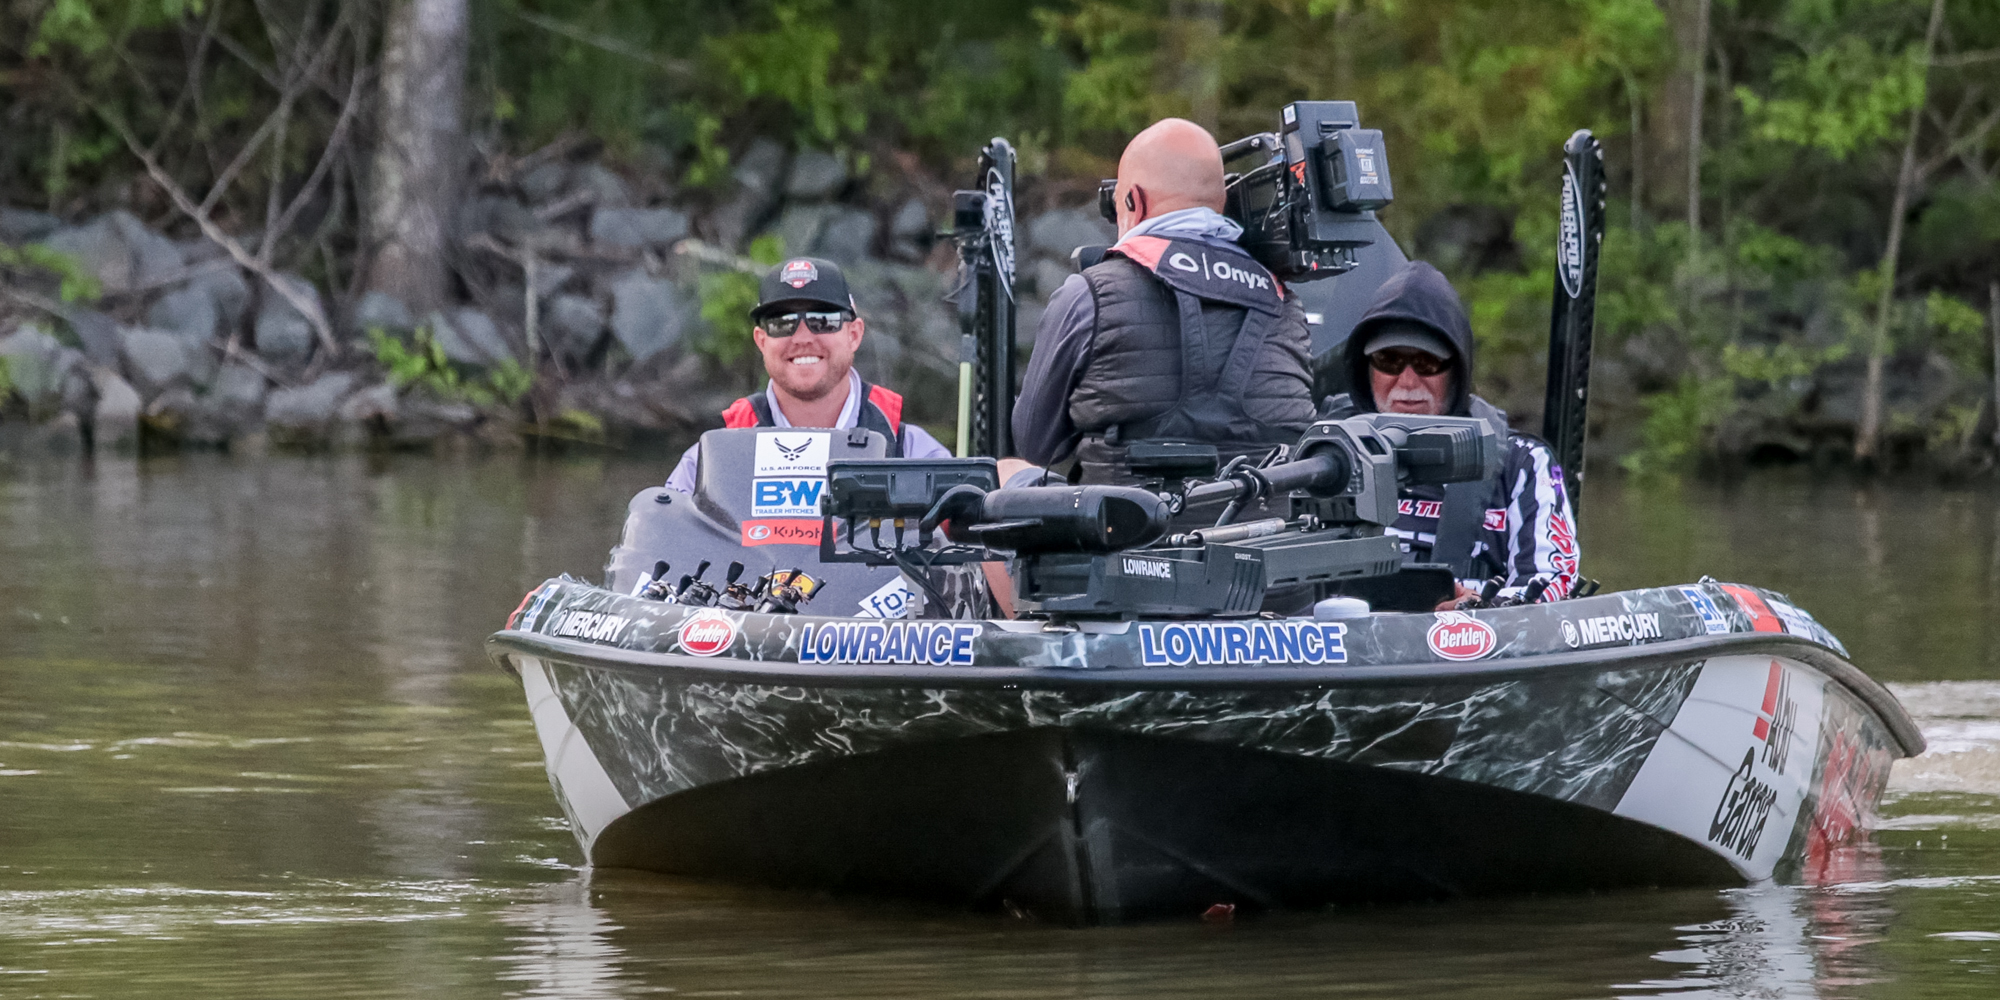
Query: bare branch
x=335, y=143
x=288, y=92
x=313, y=314
x=1966, y=58
x=677, y=67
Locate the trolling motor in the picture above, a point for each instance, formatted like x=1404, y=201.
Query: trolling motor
x=1104, y=551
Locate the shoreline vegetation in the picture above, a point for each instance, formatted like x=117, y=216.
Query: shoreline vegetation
x=444, y=224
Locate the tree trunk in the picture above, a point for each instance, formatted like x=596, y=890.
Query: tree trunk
x=1697, y=98
x=1199, y=71
x=1867, y=440
x=1993, y=331
x=414, y=190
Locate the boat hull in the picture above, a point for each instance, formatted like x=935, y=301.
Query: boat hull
x=1086, y=794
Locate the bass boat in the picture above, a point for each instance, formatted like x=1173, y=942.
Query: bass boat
x=1173, y=719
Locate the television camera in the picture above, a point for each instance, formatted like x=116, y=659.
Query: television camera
x=1105, y=552
x=1310, y=205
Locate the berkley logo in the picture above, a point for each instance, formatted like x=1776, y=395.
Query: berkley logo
x=799, y=273
x=1459, y=636
x=707, y=634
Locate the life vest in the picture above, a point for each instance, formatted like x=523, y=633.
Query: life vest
x=881, y=412
x=1193, y=342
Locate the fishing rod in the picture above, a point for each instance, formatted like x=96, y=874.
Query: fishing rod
x=983, y=226
x=1573, y=316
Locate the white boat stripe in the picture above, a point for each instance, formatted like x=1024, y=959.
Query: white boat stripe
x=580, y=781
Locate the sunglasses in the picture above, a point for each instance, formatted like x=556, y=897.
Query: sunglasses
x=1393, y=362
x=786, y=324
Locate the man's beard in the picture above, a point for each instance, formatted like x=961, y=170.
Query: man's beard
x=1415, y=400
x=821, y=386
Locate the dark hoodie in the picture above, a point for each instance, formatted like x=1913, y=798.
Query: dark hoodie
x=1526, y=527
x=1417, y=294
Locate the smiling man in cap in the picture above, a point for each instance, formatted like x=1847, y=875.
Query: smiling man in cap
x=807, y=329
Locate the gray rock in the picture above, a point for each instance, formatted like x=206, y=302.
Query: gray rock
x=115, y=422
x=225, y=284
x=815, y=174
x=607, y=189
x=543, y=182
x=37, y=365
x=171, y=410
x=907, y=317
x=385, y=312
x=848, y=236
x=647, y=314
x=469, y=337
x=284, y=335
x=910, y=231
x=572, y=326
x=156, y=360
x=21, y=225
x=155, y=258
x=550, y=277
x=800, y=227
x=233, y=406
x=99, y=249
x=760, y=165
x=306, y=412
x=757, y=173
x=378, y=403
x=637, y=227
x=502, y=216
x=188, y=312
x=98, y=333
x=1058, y=231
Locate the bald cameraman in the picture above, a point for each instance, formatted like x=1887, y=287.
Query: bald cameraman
x=1177, y=335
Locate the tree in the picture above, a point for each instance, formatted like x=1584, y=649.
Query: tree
x=420, y=140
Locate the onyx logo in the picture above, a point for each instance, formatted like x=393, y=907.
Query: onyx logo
x=1222, y=270
x=1746, y=803
x=1183, y=262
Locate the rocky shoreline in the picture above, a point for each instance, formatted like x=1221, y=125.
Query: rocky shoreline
x=578, y=315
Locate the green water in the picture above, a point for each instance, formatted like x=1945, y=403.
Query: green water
x=250, y=747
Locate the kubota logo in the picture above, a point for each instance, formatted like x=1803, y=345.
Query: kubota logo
x=1459, y=636
x=707, y=634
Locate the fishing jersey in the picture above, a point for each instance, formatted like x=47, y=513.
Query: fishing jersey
x=1526, y=528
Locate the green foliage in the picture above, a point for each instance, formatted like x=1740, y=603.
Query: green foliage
x=422, y=363
x=727, y=296
x=6, y=380
x=76, y=283
x=1677, y=426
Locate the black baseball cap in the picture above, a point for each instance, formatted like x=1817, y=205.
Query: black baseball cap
x=803, y=281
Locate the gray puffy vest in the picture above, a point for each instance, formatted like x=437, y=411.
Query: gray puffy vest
x=1193, y=343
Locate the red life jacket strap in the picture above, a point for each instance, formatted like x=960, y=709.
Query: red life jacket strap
x=891, y=405
x=742, y=413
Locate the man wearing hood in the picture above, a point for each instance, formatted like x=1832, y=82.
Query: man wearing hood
x=1176, y=335
x=1412, y=353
